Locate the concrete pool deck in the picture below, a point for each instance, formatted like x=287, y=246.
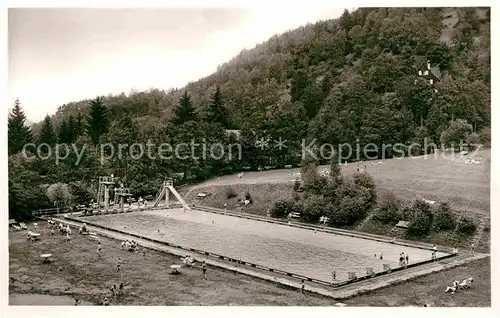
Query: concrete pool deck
x=281, y=247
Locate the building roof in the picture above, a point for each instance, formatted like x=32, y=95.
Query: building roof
x=421, y=65
x=436, y=71
x=403, y=224
x=237, y=132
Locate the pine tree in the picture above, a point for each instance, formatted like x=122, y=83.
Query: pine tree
x=47, y=134
x=184, y=111
x=312, y=100
x=97, y=121
x=63, y=136
x=335, y=169
x=18, y=133
x=79, y=126
x=346, y=20
x=216, y=112
x=72, y=129
x=299, y=84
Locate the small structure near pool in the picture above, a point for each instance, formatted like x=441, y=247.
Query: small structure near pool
x=403, y=224
x=201, y=195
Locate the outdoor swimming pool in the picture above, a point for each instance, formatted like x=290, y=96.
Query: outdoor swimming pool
x=282, y=247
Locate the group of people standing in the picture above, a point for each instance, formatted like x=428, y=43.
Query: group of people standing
x=115, y=291
x=403, y=259
x=128, y=246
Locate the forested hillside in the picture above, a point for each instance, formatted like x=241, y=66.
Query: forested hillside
x=375, y=75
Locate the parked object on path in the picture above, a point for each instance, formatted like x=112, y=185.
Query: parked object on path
x=46, y=258
x=175, y=269
x=83, y=229
x=32, y=236
x=450, y=289
x=466, y=283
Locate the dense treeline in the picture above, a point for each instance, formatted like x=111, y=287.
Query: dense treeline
x=351, y=80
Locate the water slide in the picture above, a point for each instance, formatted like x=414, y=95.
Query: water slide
x=161, y=196
x=179, y=198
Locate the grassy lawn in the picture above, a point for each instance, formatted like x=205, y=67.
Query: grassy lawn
x=78, y=272
x=430, y=289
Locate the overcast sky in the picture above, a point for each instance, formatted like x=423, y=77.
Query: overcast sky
x=62, y=55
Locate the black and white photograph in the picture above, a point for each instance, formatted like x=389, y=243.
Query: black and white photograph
x=286, y=155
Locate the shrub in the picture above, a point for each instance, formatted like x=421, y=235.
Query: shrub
x=296, y=185
x=314, y=208
x=283, y=207
x=312, y=182
x=457, y=132
x=230, y=193
x=485, y=136
x=295, y=196
x=406, y=212
x=420, y=219
x=388, y=209
x=60, y=192
x=81, y=194
x=142, y=189
x=473, y=141
x=353, y=199
x=348, y=211
x=24, y=200
x=466, y=226
x=363, y=180
x=356, y=189
x=444, y=220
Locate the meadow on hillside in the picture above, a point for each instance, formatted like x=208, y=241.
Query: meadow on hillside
x=439, y=178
